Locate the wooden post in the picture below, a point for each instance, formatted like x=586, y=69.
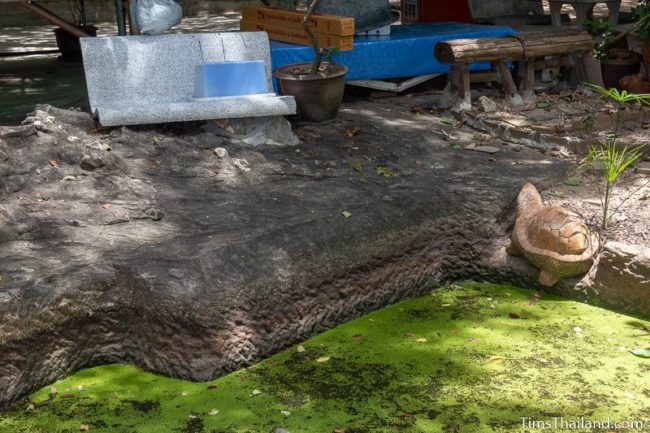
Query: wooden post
x=54, y=19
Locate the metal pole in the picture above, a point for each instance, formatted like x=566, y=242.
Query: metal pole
x=82, y=12
x=119, y=16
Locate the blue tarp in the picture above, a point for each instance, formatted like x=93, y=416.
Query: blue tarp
x=407, y=52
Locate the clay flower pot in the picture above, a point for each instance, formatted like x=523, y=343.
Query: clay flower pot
x=318, y=96
x=619, y=64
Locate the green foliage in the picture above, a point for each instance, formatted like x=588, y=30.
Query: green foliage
x=641, y=14
x=597, y=26
x=602, y=31
x=622, y=96
x=610, y=159
x=613, y=160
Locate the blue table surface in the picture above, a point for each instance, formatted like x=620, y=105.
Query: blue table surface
x=407, y=52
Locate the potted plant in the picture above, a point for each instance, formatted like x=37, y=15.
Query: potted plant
x=616, y=61
x=641, y=15
x=317, y=86
x=67, y=43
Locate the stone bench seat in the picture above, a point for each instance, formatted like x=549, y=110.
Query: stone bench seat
x=150, y=79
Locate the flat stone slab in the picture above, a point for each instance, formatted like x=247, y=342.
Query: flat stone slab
x=136, y=80
x=143, y=246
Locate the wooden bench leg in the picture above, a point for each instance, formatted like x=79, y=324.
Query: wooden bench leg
x=527, y=86
x=508, y=83
x=457, y=92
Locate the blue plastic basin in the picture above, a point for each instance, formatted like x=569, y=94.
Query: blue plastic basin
x=246, y=77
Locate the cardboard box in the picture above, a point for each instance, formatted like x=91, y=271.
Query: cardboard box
x=327, y=24
x=298, y=36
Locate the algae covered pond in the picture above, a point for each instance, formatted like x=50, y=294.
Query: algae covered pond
x=471, y=358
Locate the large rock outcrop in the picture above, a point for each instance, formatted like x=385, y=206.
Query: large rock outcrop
x=143, y=246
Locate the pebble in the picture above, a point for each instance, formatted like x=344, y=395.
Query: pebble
x=221, y=152
x=486, y=105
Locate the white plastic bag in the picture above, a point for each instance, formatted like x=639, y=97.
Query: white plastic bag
x=156, y=16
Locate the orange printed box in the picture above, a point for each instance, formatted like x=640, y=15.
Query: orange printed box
x=327, y=24
x=298, y=36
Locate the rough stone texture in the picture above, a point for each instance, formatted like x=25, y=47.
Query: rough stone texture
x=189, y=265
x=486, y=105
x=134, y=80
x=621, y=278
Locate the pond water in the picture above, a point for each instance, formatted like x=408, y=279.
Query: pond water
x=466, y=358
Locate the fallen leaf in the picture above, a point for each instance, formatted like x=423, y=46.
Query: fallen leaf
x=418, y=111
x=300, y=349
x=382, y=170
x=256, y=392
x=80, y=387
x=355, y=165
x=445, y=305
x=213, y=412
x=53, y=391
x=409, y=334
x=69, y=178
x=338, y=430
x=572, y=181
x=407, y=414
x=351, y=132
x=643, y=353
x=421, y=340
x=497, y=358
x=52, y=162
x=30, y=407
x=185, y=393
x=346, y=214
x=543, y=104
x=285, y=413
x=107, y=205
x=446, y=120
x=323, y=359
x=493, y=306
x=84, y=427
x=192, y=416
x=357, y=336
x=213, y=386
x=514, y=316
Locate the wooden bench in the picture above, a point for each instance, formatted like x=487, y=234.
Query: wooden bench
x=531, y=50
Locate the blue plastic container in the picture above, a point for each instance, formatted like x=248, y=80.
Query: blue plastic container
x=239, y=78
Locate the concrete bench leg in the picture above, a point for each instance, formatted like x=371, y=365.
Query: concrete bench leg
x=614, y=8
x=507, y=82
x=457, y=93
x=556, y=13
x=583, y=11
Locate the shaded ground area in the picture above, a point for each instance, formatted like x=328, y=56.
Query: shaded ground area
x=142, y=245
x=471, y=358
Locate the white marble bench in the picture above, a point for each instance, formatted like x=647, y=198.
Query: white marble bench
x=150, y=79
